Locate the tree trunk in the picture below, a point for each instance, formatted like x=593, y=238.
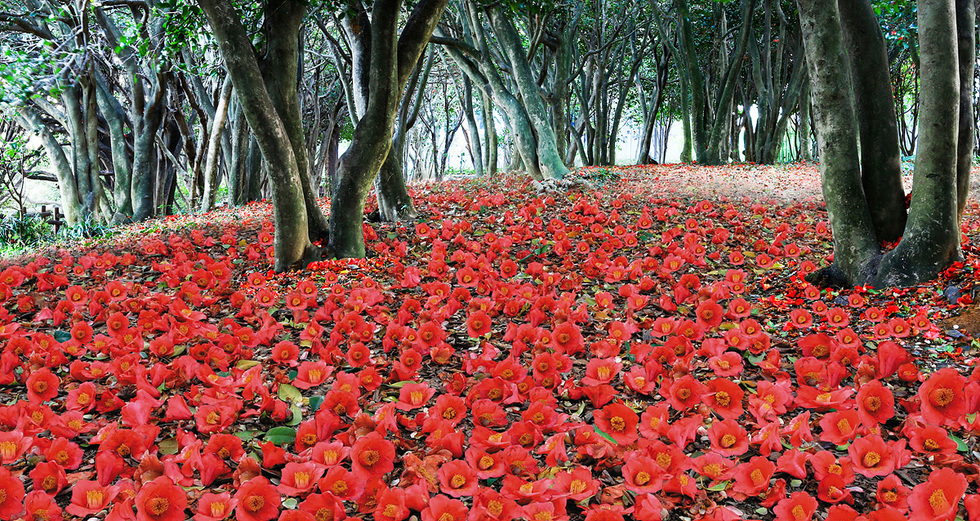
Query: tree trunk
x=713, y=154
x=549, y=161
x=211, y=180
x=292, y=241
x=143, y=181
x=280, y=70
x=881, y=167
x=472, y=132
x=30, y=120
x=855, y=245
x=489, y=134
x=394, y=202
x=966, y=21
x=931, y=239
x=115, y=117
x=391, y=64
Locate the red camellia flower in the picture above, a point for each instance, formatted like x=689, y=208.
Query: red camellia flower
x=725, y=398
x=577, y=484
x=799, y=506
x=490, y=505
x=391, y=505
x=11, y=494
x=478, y=324
x=13, y=445
x=709, y=314
x=942, y=397
x=832, y=489
x=87, y=497
x=42, y=385
x=752, y=477
x=257, y=500
x=685, y=392
x=414, y=395
x=323, y=506
x=160, y=500
x=930, y=439
x=728, y=438
x=618, y=421
x=457, y=479
x=214, y=507
x=893, y=493
x=839, y=427
x=875, y=404
x=372, y=456
x=938, y=498
x=299, y=478
x=643, y=474
x=442, y=508
x=41, y=507
x=871, y=456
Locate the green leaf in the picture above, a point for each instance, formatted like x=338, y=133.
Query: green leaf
x=315, y=402
x=289, y=394
x=762, y=511
x=246, y=435
x=960, y=444
x=62, y=336
x=245, y=365
x=795, y=483
x=290, y=503
x=399, y=385
x=604, y=435
x=169, y=446
x=718, y=487
x=297, y=414
x=281, y=435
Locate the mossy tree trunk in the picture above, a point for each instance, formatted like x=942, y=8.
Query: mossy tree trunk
x=881, y=162
x=930, y=240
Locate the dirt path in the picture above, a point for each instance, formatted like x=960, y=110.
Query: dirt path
x=779, y=183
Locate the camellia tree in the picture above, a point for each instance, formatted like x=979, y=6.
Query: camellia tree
x=857, y=186
x=266, y=86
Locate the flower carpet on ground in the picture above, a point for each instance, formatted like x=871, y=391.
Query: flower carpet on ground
x=630, y=351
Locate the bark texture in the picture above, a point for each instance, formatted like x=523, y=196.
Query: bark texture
x=292, y=240
x=881, y=167
x=855, y=246
x=931, y=239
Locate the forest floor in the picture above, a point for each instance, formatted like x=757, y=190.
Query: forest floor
x=644, y=348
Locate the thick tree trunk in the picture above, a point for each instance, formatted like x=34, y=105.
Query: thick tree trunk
x=714, y=153
x=931, y=239
x=855, y=245
x=143, y=179
x=394, y=202
x=472, y=132
x=966, y=31
x=280, y=70
x=73, y=100
x=391, y=63
x=549, y=161
x=803, y=132
x=881, y=167
x=115, y=117
x=693, y=80
x=237, y=181
x=292, y=241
